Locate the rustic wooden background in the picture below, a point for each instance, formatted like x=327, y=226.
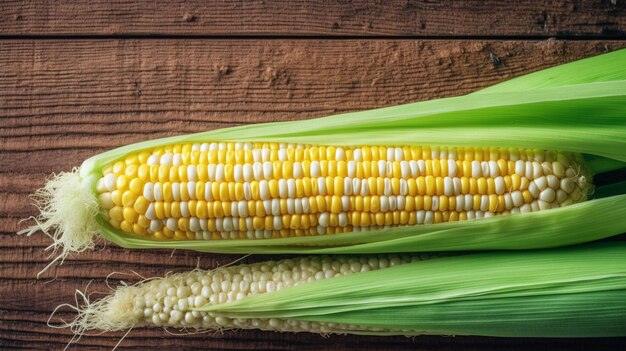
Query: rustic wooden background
x=81, y=77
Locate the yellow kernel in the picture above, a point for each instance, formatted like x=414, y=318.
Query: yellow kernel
x=141, y=205
x=476, y=199
x=116, y=213
x=139, y=230
x=175, y=210
x=131, y=170
x=516, y=181
x=125, y=226
x=454, y=216
x=428, y=202
x=443, y=203
x=224, y=193
x=143, y=221
x=430, y=185
x=419, y=202
x=338, y=185
x=200, y=190
x=136, y=186
x=421, y=185
x=116, y=197
x=493, y=202
x=438, y=217
x=412, y=186
x=482, y=186
x=183, y=224
x=439, y=185
x=159, y=210
x=380, y=186
x=143, y=157
x=527, y=196
x=180, y=235
x=218, y=209
x=118, y=168
x=128, y=198
x=473, y=186
x=258, y=223
x=342, y=169
x=491, y=186
x=409, y=203
x=173, y=174
x=365, y=219
x=335, y=206
x=130, y=215
x=154, y=173
x=395, y=186
x=114, y=223
x=168, y=233
x=320, y=201
x=122, y=182
x=164, y=173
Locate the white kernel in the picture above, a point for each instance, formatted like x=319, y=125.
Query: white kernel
x=494, y=170
x=315, y=169
x=452, y=168
x=268, y=170
x=520, y=168
x=324, y=219
x=155, y=225
x=150, y=212
x=547, y=195
x=553, y=181
x=192, y=173
x=448, y=186
x=109, y=181
x=541, y=182
x=191, y=190
x=264, y=190
x=517, y=198
x=238, y=173
x=567, y=185
x=219, y=172
x=476, y=169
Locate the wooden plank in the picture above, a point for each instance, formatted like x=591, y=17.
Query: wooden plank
x=305, y=18
x=62, y=101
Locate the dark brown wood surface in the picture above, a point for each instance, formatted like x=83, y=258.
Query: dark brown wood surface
x=78, y=79
x=540, y=18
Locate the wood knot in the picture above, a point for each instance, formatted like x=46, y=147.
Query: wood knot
x=187, y=17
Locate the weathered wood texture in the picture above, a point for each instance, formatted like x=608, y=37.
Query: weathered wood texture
x=62, y=101
x=334, y=18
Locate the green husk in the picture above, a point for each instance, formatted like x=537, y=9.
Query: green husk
x=578, y=107
x=567, y=292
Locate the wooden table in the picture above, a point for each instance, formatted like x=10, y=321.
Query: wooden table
x=81, y=77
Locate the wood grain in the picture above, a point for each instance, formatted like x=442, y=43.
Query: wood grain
x=62, y=101
x=476, y=18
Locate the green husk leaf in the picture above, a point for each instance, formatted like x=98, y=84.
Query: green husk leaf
x=567, y=292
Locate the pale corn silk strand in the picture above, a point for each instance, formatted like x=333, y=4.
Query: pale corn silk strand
x=67, y=214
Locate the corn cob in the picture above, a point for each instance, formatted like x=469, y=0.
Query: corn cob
x=400, y=179
x=574, y=292
x=270, y=190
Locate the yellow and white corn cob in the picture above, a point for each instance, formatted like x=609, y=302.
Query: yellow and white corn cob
x=232, y=190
